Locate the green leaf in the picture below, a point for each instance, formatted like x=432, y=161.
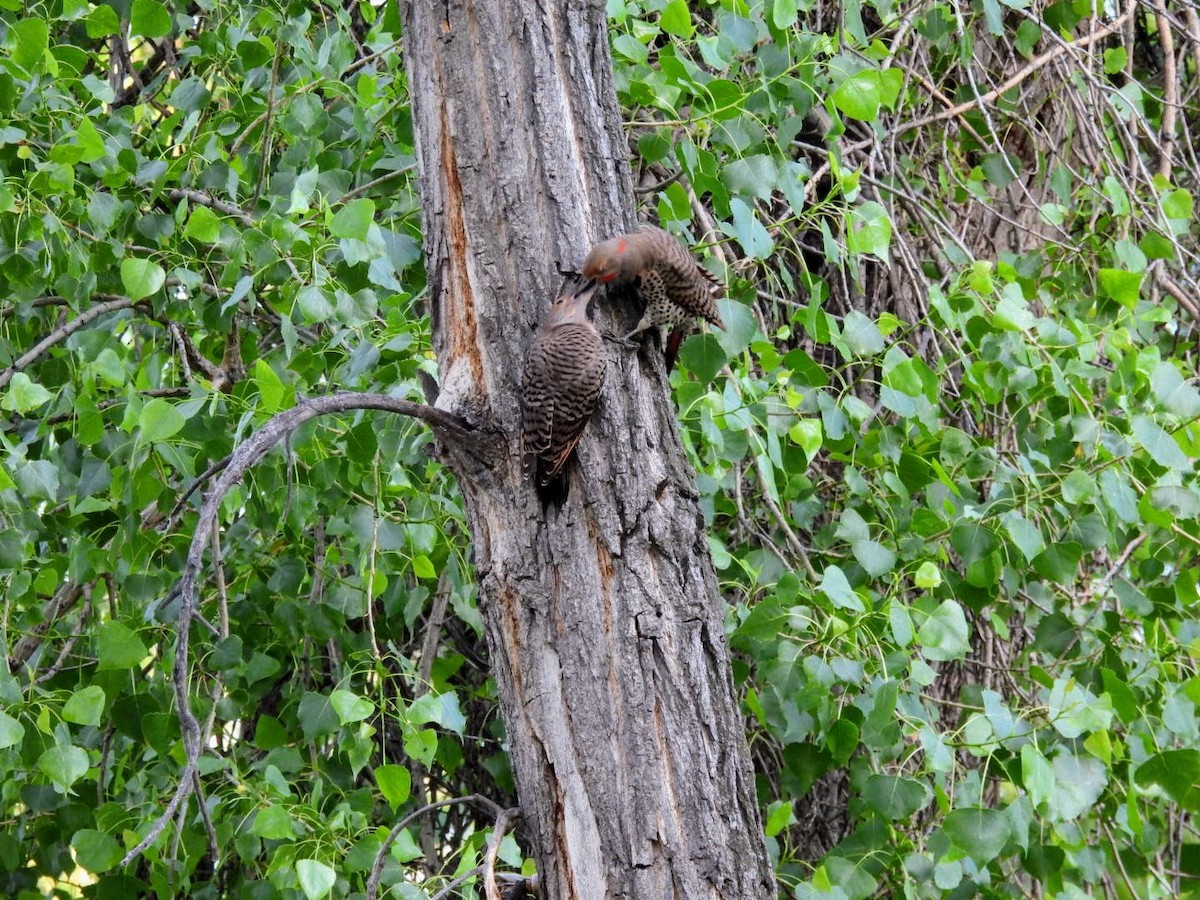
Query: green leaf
x=701, y=354
x=779, y=816
x=1114, y=60
x=95, y=851
x=314, y=304
x=28, y=39
x=1177, y=204
x=441, y=709
x=395, y=783
x=423, y=567
x=1073, y=710
x=203, y=225
x=972, y=540
x=271, y=390
x=316, y=878
x=1059, y=562
x=159, y=420
x=748, y=230
x=1121, y=286
x=895, y=797
x=1026, y=535
x=1177, y=772
x=24, y=395
x=85, y=706
x=149, y=18
x=317, y=715
x=64, y=766
x=753, y=176
x=900, y=621
x=870, y=230
x=808, y=435
x=421, y=745
x=739, y=329
x=141, y=277
x=1079, y=782
x=838, y=590
x=353, y=220
x=927, y=576
x=979, y=832
x=1173, y=392
x=875, y=558
x=676, y=19
x=1160, y=445
x=12, y=732
x=102, y=22
x=273, y=823
x=860, y=95
x=1037, y=775
x=784, y=13
x=944, y=635
x=118, y=647
x=38, y=479
x=861, y=334
x=350, y=707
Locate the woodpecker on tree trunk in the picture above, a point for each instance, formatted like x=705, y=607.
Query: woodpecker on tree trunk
x=564, y=371
x=673, y=284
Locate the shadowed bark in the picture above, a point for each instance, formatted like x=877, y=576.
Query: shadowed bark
x=604, y=620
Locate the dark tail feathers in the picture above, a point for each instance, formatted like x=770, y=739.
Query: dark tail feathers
x=553, y=489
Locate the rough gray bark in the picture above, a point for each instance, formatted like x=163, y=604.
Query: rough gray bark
x=604, y=620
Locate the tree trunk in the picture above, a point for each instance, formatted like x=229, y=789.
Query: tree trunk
x=604, y=621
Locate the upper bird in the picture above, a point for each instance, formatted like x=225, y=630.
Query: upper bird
x=564, y=371
x=671, y=281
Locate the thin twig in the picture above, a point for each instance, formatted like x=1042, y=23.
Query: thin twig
x=69, y=644
x=203, y=198
x=374, y=183
x=381, y=856
x=64, y=598
x=461, y=879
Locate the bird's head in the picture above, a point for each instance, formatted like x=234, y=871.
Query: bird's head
x=612, y=261
x=572, y=307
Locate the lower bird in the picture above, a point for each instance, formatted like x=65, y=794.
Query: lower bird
x=673, y=284
x=564, y=372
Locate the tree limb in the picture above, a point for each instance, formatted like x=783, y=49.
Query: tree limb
x=64, y=598
x=445, y=424
x=109, y=303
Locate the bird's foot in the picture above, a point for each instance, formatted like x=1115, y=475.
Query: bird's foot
x=630, y=340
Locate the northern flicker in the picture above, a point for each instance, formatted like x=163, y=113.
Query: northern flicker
x=564, y=371
x=668, y=278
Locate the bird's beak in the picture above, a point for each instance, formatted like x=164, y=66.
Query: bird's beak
x=586, y=289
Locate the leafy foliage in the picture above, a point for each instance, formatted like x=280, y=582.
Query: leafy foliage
x=952, y=481
x=947, y=442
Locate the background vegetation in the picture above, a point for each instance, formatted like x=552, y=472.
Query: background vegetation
x=947, y=442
